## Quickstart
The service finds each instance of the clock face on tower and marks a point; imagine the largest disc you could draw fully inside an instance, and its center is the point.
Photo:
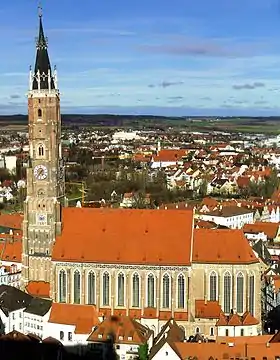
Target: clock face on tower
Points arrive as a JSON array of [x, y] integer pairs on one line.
[[40, 172]]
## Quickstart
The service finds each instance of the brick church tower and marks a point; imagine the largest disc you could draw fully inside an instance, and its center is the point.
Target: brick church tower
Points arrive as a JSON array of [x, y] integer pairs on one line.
[[45, 174]]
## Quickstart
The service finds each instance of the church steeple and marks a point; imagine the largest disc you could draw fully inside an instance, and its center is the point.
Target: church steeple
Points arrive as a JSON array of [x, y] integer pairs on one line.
[[42, 78]]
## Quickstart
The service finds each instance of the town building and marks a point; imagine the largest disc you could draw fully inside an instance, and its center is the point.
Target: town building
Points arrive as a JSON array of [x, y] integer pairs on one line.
[[149, 265]]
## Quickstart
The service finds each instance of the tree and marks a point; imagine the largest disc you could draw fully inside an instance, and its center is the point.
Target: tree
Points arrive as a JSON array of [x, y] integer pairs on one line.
[[203, 188], [143, 352]]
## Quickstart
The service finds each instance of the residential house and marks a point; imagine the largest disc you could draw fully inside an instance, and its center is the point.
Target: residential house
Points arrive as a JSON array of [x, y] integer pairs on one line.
[[36, 316], [127, 335], [233, 217], [71, 323]]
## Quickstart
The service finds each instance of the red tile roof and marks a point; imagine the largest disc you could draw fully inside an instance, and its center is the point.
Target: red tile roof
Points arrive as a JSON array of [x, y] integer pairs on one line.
[[124, 330], [207, 309], [38, 288], [13, 221], [270, 229], [125, 236], [11, 251], [83, 317], [223, 246]]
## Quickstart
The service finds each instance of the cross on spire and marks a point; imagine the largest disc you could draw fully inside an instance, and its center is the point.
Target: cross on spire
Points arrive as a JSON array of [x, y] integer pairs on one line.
[[40, 9]]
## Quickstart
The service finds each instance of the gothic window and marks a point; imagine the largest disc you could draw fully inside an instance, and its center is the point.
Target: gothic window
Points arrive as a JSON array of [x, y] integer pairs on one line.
[[77, 287], [106, 289], [39, 113], [227, 292], [135, 290], [151, 291], [239, 292], [252, 294], [41, 150], [181, 291], [91, 288], [165, 291], [62, 286], [213, 286], [121, 290]]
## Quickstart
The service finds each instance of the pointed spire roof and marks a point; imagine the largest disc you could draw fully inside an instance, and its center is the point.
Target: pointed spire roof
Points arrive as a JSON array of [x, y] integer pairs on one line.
[[42, 63]]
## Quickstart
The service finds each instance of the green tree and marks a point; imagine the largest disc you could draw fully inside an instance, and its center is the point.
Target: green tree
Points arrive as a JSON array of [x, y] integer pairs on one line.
[[203, 188], [143, 352]]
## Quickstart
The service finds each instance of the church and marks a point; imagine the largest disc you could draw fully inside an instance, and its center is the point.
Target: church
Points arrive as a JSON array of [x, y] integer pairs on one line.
[[151, 265]]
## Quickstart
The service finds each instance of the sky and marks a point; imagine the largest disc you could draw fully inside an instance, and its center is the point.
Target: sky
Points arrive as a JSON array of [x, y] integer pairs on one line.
[[160, 57]]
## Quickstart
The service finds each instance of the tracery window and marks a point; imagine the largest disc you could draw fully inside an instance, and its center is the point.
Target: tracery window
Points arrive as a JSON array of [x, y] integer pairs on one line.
[[121, 290], [106, 289], [252, 294], [213, 286], [91, 288], [39, 113], [239, 292], [135, 290], [227, 292], [181, 291], [77, 287], [62, 286], [151, 291], [166, 291]]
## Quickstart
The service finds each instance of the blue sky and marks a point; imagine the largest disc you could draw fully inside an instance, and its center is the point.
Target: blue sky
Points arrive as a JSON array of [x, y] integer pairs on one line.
[[180, 57]]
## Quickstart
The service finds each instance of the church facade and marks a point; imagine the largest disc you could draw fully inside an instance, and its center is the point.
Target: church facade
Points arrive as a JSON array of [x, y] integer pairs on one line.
[[149, 264]]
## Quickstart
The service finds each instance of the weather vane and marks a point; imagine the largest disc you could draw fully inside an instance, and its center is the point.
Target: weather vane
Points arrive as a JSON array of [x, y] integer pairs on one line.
[[40, 9]]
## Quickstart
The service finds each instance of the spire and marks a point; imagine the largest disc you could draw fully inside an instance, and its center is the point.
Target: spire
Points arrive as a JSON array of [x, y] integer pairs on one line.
[[43, 79]]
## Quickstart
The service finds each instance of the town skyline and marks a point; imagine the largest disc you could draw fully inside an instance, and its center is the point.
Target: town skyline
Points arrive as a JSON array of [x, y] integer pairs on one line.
[[148, 59]]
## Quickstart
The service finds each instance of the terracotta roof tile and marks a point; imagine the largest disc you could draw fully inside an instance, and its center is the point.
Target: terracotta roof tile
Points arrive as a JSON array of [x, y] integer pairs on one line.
[[270, 229], [165, 315], [180, 315], [149, 313], [11, 251], [135, 313], [223, 246], [13, 221], [98, 235], [83, 317], [234, 320], [123, 329], [207, 309], [38, 288]]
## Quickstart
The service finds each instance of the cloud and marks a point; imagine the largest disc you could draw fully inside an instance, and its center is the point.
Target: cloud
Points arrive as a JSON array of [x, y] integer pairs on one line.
[[15, 96], [260, 102], [166, 84], [248, 86], [205, 98], [205, 47]]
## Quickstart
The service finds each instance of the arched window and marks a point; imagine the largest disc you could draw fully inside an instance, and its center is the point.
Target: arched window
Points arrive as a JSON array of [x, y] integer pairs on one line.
[[151, 291], [41, 150], [166, 291], [239, 292], [211, 331], [213, 286], [91, 288], [106, 289], [227, 292], [39, 113], [62, 286], [135, 290], [252, 294], [77, 287], [121, 290], [181, 291], [197, 330]]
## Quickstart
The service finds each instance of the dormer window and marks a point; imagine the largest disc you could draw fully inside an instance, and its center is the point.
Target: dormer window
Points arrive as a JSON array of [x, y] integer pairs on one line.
[[39, 113]]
